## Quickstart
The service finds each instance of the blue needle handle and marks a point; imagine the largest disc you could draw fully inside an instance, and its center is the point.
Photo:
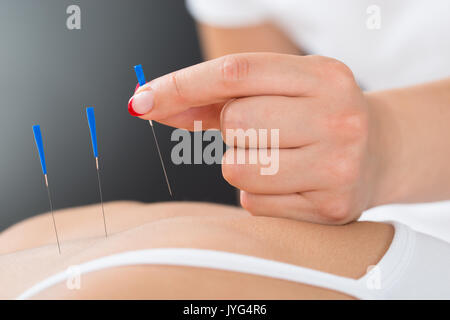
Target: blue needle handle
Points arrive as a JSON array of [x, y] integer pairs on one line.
[[40, 147], [140, 74], [91, 120]]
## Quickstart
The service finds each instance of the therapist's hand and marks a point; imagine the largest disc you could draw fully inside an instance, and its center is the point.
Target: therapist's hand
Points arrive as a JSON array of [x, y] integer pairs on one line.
[[328, 163]]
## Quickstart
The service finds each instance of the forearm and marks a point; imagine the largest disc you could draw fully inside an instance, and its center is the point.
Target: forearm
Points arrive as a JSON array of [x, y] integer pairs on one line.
[[414, 135]]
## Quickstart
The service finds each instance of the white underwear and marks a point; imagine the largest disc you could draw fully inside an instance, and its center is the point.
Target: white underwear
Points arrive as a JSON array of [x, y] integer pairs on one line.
[[416, 266]]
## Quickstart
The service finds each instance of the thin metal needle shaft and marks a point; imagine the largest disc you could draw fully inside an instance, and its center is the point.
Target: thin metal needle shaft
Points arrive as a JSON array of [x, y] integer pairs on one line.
[[51, 210], [161, 159], [101, 195]]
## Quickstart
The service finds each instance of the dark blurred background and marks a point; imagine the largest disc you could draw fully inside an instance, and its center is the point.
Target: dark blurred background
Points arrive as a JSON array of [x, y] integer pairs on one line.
[[49, 75]]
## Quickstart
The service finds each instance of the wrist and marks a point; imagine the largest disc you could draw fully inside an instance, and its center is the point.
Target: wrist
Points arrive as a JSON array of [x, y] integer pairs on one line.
[[385, 151]]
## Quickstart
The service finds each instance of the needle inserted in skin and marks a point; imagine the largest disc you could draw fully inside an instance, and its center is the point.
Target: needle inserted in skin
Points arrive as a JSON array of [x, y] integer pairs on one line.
[[161, 159], [141, 79], [40, 147], [91, 121]]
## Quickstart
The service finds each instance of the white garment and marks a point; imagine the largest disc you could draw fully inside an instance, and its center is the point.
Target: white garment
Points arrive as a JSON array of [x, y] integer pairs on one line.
[[411, 46], [429, 218], [414, 267]]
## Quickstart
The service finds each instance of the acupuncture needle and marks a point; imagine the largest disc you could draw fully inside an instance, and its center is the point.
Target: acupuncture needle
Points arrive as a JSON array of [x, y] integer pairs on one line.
[[40, 148], [141, 79], [91, 121]]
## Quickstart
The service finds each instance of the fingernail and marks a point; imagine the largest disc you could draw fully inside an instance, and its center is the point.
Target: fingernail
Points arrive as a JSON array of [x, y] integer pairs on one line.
[[141, 103], [130, 108]]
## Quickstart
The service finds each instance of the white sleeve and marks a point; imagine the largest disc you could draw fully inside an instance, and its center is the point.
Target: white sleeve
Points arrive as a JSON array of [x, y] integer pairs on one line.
[[228, 13]]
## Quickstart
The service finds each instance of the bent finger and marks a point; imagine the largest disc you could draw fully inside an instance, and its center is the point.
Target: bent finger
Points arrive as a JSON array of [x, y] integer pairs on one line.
[[253, 122], [269, 171]]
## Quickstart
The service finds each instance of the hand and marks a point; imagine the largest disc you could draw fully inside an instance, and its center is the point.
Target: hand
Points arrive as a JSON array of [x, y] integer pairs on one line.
[[328, 167]]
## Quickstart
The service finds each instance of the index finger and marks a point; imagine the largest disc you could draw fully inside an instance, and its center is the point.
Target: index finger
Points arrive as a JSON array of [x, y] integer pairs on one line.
[[232, 76]]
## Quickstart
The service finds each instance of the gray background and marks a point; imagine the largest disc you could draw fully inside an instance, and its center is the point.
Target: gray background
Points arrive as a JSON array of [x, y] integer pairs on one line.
[[49, 75]]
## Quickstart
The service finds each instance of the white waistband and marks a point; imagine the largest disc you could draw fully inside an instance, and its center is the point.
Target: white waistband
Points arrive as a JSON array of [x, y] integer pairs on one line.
[[238, 263]]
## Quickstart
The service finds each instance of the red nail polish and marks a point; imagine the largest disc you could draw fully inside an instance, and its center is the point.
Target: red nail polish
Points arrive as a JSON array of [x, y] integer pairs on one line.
[[137, 87], [131, 110]]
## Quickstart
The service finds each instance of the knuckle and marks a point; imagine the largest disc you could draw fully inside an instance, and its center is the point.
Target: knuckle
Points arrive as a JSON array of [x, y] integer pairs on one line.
[[231, 116], [176, 84], [336, 212], [356, 124], [344, 169], [227, 172], [351, 125], [230, 171], [247, 203], [337, 72], [234, 67]]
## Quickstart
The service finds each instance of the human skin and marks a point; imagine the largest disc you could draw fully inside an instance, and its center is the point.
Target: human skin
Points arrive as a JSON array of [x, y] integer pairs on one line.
[[28, 252], [342, 151]]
